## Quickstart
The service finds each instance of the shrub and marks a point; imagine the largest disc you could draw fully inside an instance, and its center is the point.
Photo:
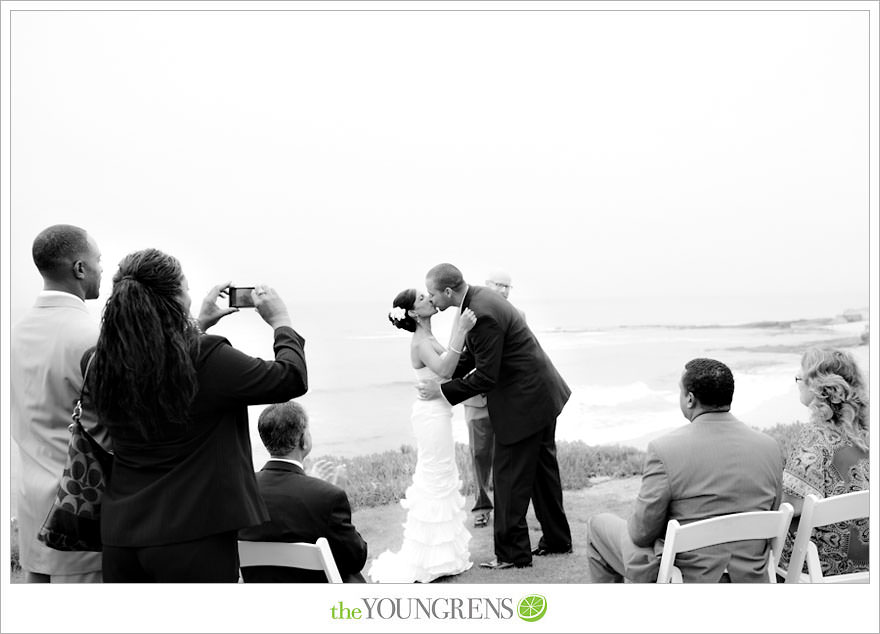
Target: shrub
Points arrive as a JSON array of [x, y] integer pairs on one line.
[[785, 435], [579, 462], [382, 478]]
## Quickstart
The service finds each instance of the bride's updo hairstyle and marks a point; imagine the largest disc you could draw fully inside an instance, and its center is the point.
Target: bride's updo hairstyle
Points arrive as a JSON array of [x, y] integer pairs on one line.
[[399, 315]]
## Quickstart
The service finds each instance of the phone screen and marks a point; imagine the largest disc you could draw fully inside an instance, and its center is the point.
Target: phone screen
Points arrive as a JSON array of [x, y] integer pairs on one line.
[[240, 297]]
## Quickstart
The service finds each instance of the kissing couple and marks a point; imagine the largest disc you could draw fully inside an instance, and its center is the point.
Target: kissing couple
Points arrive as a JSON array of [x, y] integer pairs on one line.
[[493, 352]]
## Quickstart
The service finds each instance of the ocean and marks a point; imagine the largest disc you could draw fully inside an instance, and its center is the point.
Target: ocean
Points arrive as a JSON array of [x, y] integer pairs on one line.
[[621, 357]]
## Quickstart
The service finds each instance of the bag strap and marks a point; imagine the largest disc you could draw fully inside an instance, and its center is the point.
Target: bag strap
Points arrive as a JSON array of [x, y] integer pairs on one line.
[[77, 409]]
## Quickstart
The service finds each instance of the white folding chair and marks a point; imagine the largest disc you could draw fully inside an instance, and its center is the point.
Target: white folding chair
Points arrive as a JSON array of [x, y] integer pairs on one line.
[[736, 527], [315, 556], [822, 512]]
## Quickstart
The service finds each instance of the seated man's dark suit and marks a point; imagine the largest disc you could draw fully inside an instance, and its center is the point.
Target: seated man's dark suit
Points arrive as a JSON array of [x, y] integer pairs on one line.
[[715, 465], [302, 509]]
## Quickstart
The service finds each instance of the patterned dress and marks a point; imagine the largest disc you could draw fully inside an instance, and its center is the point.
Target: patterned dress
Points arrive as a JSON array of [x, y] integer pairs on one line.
[[823, 462]]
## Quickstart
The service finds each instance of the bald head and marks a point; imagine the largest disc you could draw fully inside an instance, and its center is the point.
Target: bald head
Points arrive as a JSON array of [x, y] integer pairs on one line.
[[499, 281]]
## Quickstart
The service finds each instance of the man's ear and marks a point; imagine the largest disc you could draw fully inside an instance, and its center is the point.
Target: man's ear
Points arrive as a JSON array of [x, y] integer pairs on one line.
[[306, 447], [690, 400], [79, 270]]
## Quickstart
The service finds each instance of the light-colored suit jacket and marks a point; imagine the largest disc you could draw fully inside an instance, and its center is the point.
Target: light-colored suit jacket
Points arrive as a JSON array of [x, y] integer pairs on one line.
[[45, 378], [713, 466]]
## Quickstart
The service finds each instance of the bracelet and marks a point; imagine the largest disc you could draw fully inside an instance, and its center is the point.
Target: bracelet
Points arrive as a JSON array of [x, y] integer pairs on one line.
[[454, 350]]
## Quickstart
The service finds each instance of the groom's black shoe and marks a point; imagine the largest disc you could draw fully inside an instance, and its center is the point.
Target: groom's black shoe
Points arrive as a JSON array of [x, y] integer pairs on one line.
[[540, 551]]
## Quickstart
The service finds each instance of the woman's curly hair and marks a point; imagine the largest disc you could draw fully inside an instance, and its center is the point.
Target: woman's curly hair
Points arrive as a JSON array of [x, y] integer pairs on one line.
[[144, 371], [840, 396]]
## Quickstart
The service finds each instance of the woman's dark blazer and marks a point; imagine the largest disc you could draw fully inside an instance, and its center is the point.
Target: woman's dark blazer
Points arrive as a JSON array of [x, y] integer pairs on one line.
[[198, 480]]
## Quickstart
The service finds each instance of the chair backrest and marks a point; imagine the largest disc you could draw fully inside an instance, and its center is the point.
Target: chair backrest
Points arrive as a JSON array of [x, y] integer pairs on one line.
[[821, 512], [736, 527], [315, 556]]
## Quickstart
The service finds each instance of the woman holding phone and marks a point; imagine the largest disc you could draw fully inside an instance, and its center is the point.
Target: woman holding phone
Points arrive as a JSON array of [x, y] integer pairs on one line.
[[175, 402]]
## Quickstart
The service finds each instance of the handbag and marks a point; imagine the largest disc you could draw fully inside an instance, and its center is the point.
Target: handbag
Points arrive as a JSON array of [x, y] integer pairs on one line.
[[74, 521]]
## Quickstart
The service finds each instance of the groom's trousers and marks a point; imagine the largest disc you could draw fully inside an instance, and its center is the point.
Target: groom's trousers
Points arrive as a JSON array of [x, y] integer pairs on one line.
[[528, 470]]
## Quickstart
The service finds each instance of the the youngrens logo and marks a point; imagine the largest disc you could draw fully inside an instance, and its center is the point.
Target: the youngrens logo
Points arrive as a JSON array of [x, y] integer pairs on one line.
[[530, 608]]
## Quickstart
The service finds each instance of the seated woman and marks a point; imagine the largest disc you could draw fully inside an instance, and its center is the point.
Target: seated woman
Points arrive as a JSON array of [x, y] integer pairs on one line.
[[175, 403], [830, 455]]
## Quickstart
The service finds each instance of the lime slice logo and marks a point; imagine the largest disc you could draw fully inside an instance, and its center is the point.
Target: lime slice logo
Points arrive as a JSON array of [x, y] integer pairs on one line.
[[532, 608]]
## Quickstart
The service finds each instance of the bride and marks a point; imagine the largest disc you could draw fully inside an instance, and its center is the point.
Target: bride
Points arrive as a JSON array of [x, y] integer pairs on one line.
[[435, 539]]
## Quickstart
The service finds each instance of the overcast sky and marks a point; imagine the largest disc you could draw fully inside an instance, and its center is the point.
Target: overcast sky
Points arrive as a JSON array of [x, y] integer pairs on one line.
[[340, 154], [343, 153]]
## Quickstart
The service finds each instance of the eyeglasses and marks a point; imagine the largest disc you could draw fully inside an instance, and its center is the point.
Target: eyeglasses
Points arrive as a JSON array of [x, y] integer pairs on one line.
[[500, 285]]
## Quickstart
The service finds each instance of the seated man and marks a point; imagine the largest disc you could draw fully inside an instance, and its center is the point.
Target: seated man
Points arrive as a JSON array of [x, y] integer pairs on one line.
[[302, 508], [716, 465]]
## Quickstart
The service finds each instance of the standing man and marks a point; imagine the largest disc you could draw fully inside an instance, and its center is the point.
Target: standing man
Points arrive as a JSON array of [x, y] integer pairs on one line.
[[500, 282], [525, 395], [46, 379], [715, 465], [480, 434], [482, 443]]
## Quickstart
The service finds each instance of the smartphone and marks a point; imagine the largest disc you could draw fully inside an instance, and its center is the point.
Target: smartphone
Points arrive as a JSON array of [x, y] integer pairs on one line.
[[240, 297]]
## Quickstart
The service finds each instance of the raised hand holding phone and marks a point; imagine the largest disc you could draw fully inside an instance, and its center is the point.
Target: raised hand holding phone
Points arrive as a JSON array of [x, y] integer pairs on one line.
[[210, 313], [270, 306]]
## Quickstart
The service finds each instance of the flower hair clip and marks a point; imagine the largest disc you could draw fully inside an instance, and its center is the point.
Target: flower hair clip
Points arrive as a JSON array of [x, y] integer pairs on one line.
[[397, 313]]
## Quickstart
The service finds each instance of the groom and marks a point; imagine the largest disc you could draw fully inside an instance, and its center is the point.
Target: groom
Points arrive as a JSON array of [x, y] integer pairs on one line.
[[525, 394]]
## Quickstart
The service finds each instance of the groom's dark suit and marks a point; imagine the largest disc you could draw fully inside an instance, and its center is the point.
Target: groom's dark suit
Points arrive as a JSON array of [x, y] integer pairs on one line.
[[525, 395]]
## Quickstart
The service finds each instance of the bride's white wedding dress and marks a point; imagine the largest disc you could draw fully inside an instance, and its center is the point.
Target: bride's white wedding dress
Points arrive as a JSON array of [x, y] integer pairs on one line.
[[435, 539]]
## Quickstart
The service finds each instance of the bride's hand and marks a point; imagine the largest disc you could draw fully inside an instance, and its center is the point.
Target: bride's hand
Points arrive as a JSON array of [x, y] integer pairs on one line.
[[467, 320]]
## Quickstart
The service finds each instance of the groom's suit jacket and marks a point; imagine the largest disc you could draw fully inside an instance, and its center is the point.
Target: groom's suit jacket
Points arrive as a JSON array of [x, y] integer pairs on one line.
[[302, 509], [504, 360]]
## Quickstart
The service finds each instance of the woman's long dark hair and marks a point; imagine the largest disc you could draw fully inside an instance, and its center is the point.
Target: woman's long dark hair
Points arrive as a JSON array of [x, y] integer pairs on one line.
[[144, 373]]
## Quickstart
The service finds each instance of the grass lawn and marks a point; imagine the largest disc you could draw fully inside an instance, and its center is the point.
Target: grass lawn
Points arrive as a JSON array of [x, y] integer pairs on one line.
[[595, 479], [382, 527]]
